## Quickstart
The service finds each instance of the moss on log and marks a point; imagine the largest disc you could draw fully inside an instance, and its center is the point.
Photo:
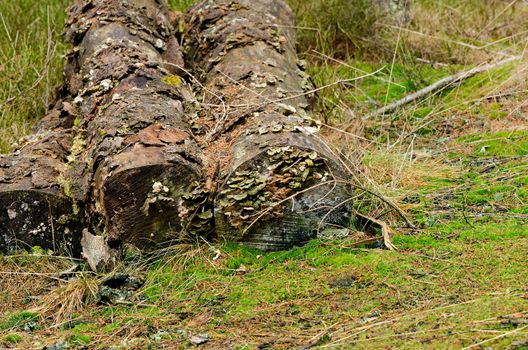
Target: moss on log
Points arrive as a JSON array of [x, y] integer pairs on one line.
[[139, 166], [136, 155], [35, 210], [280, 183]]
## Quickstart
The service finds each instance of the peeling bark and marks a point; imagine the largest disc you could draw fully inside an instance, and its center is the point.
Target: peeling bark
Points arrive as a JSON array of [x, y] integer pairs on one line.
[[97, 253], [137, 164], [280, 182]]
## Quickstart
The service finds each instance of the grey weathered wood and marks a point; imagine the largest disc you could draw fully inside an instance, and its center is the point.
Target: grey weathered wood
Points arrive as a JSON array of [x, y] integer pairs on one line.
[[280, 183], [34, 209], [97, 253]]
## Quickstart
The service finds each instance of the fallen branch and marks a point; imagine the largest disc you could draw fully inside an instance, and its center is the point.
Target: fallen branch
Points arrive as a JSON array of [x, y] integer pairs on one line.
[[452, 79]]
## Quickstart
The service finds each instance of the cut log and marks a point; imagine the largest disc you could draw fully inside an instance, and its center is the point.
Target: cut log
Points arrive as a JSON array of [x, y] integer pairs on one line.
[[134, 160], [280, 183], [34, 210]]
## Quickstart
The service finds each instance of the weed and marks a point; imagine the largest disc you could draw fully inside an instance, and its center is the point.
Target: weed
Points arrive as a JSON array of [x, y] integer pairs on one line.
[[12, 338], [80, 340], [24, 320]]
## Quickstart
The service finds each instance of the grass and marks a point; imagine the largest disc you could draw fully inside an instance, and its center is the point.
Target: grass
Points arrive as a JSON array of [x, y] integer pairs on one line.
[[454, 162], [29, 73], [432, 293]]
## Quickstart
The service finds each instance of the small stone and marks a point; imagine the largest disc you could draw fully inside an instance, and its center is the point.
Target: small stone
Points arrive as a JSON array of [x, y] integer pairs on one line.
[[199, 339]]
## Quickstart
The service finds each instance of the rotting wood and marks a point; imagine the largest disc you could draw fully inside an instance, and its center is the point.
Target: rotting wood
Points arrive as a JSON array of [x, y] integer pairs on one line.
[[34, 208], [97, 253], [134, 161], [277, 175], [122, 150]]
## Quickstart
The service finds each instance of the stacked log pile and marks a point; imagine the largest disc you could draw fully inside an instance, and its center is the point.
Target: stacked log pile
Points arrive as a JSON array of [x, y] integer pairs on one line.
[[132, 156]]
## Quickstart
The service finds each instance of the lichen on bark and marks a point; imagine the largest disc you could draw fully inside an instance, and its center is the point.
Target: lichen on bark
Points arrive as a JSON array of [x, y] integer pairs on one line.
[[256, 100]]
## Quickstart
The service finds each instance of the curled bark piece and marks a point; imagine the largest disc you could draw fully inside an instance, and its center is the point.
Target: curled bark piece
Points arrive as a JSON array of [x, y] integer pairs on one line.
[[281, 183], [99, 256], [134, 159], [34, 210]]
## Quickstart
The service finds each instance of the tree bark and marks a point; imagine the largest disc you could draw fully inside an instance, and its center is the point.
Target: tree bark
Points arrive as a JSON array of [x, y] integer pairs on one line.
[[280, 183], [34, 210], [134, 160], [123, 153]]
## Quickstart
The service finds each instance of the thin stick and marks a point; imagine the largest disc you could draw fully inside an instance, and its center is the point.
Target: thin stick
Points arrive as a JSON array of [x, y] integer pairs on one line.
[[52, 276], [452, 79], [495, 338]]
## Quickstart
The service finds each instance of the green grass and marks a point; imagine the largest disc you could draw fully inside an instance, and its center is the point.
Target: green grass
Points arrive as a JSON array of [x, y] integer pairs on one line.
[[22, 320], [501, 144], [433, 293], [12, 338], [31, 58], [370, 85], [30, 73]]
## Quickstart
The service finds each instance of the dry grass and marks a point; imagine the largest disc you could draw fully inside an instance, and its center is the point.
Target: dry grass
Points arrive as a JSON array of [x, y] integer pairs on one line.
[[25, 276], [67, 299]]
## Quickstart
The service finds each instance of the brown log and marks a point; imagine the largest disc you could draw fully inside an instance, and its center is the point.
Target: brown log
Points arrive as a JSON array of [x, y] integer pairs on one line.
[[34, 209], [280, 182], [134, 160]]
